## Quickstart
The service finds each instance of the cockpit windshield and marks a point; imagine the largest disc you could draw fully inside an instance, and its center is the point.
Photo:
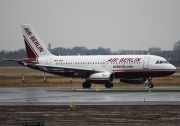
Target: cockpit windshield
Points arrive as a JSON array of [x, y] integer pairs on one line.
[[162, 62]]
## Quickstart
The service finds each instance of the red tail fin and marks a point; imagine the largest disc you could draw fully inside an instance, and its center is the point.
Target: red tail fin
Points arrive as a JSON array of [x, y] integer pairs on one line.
[[34, 46]]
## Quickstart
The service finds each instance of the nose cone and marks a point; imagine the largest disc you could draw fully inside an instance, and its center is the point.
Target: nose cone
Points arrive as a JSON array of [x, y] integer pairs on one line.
[[173, 69]]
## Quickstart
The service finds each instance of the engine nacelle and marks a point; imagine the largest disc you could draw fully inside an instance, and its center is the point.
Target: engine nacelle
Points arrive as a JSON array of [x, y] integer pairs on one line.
[[101, 78], [134, 80]]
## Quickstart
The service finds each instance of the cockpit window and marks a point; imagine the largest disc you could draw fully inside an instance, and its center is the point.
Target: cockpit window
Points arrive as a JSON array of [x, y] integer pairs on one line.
[[157, 62], [162, 62], [166, 62]]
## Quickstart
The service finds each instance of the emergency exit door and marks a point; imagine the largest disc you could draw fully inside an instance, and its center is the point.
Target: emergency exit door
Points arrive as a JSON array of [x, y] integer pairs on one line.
[[103, 63]]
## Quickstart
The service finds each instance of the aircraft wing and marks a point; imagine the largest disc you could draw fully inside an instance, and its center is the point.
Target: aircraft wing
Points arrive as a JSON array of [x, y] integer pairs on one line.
[[52, 68]]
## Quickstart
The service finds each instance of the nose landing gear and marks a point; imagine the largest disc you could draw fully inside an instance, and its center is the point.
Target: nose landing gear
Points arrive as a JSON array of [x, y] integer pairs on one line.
[[150, 84]]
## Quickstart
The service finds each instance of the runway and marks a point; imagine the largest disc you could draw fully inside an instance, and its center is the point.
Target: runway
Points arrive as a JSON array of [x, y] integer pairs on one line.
[[64, 96]]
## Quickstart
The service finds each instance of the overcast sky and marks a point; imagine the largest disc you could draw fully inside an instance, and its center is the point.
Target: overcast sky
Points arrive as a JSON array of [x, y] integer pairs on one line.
[[114, 24]]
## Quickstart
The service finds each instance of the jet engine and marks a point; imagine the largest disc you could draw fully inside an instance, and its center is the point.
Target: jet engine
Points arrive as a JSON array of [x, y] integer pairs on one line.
[[101, 78], [134, 80]]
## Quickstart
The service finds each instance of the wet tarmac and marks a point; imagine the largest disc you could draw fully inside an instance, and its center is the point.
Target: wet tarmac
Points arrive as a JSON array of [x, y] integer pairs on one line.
[[64, 96]]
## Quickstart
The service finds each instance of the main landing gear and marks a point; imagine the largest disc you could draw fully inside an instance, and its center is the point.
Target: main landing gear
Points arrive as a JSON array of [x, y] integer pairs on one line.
[[150, 84], [109, 85], [86, 85]]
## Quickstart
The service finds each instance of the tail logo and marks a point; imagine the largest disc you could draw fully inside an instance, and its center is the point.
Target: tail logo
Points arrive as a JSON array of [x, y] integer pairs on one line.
[[34, 40]]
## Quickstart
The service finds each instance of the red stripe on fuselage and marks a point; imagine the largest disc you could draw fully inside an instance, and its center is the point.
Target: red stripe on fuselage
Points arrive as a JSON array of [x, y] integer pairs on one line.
[[143, 73]]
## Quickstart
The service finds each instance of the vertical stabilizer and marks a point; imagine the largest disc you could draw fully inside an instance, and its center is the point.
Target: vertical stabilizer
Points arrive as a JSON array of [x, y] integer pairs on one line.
[[34, 46]]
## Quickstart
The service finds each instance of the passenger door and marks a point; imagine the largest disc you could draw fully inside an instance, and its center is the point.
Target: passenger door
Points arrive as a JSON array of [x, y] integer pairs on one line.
[[146, 62], [48, 61]]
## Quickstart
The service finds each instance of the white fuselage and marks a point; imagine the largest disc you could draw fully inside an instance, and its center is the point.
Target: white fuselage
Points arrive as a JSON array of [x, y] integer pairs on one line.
[[145, 65]]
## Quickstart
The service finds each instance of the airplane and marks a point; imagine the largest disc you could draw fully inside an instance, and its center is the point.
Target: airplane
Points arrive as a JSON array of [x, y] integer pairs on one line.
[[98, 69]]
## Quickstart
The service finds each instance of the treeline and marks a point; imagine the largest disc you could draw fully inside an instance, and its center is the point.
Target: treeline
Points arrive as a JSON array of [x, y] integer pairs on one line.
[[4, 54], [82, 51], [21, 53]]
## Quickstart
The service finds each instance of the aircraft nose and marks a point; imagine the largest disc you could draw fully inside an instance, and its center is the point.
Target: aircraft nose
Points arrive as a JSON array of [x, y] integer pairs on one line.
[[173, 68]]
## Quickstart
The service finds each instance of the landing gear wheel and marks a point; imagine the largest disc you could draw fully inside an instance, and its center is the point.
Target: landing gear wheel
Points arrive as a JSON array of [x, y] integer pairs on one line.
[[150, 85], [108, 85], [112, 85], [86, 85]]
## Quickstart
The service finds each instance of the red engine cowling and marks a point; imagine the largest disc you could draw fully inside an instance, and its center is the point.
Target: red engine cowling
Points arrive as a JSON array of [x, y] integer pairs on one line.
[[101, 78], [134, 80]]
